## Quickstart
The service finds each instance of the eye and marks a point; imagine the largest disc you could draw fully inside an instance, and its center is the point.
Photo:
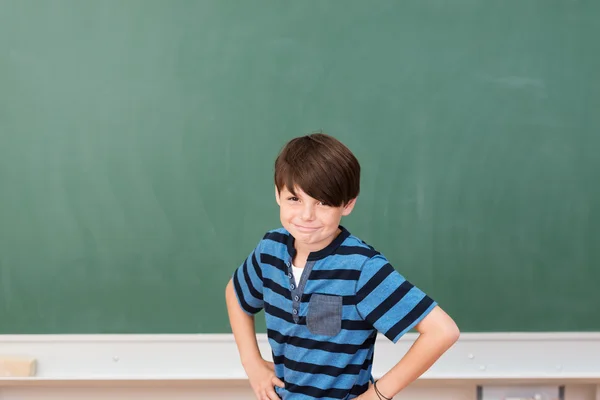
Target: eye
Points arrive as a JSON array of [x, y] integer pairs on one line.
[[322, 203], [293, 198]]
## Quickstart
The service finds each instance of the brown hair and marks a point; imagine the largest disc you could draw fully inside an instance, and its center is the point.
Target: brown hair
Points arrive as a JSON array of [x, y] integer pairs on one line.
[[320, 165]]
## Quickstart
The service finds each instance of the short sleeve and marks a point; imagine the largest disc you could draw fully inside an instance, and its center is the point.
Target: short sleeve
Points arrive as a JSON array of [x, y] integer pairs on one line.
[[248, 283], [389, 302]]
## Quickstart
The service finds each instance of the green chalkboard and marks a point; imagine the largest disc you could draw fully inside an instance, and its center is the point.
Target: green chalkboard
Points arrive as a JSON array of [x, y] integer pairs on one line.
[[137, 141]]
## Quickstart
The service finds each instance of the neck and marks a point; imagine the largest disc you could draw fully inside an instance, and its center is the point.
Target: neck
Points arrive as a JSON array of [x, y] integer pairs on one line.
[[305, 251]]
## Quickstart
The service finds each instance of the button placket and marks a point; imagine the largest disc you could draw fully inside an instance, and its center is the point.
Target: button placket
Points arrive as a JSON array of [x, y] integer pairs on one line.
[[296, 288], [295, 295]]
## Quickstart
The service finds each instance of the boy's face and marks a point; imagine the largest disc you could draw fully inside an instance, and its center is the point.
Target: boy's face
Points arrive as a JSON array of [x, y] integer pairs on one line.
[[313, 224]]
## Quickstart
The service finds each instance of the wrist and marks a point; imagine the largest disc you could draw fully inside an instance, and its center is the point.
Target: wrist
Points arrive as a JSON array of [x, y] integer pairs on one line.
[[251, 360], [381, 392]]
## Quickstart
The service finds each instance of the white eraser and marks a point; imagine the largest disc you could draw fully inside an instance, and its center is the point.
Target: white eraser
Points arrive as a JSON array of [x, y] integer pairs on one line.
[[16, 366]]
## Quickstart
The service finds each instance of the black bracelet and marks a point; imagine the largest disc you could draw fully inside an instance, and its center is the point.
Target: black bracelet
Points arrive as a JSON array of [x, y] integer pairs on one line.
[[379, 394]]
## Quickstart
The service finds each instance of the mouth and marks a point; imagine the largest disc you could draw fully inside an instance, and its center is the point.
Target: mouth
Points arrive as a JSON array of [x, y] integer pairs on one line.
[[305, 228]]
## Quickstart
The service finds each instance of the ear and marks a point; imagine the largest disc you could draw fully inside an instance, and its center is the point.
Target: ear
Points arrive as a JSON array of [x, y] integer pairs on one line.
[[348, 207], [277, 199]]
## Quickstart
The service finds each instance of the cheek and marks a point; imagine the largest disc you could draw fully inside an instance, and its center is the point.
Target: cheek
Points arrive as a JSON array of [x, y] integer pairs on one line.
[[327, 218], [330, 218], [285, 212]]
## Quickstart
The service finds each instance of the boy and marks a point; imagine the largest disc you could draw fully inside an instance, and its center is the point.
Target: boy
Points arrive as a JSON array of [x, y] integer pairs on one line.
[[326, 293]]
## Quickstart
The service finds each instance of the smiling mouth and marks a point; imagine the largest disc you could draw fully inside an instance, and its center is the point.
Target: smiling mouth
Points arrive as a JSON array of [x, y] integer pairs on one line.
[[304, 228]]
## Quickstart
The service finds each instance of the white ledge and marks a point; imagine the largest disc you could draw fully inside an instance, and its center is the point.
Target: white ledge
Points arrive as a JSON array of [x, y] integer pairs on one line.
[[192, 359]]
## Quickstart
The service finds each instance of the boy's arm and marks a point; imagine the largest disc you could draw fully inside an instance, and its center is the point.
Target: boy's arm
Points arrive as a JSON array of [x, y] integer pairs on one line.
[[242, 326], [438, 333], [260, 372]]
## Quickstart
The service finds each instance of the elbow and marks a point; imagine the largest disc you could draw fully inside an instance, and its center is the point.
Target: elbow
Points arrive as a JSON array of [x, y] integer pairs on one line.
[[451, 333], [446, 331], [229, 289], [455, 334], [440, 327]]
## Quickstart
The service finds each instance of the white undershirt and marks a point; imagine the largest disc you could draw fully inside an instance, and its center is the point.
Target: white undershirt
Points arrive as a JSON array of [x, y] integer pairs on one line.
[[297, 273]]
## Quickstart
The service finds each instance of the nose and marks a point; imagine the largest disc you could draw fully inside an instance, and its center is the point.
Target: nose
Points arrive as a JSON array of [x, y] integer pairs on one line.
[[308, 212]]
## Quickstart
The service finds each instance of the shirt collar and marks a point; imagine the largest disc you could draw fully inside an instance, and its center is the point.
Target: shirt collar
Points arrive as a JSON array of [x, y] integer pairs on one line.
[[318, 255]]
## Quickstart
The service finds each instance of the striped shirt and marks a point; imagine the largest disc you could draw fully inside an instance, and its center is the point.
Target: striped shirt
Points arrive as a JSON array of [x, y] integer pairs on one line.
[[322, 329]]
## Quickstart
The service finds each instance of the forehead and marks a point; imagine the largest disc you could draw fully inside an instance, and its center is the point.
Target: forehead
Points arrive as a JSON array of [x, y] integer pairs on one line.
[[297, 191]]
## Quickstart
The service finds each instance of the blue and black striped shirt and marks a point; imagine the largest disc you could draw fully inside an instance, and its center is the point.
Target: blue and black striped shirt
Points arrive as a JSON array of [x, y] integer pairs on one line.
[[322, 329]]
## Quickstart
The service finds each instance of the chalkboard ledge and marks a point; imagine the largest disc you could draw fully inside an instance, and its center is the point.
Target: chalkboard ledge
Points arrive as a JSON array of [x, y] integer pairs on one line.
[[130, 360]]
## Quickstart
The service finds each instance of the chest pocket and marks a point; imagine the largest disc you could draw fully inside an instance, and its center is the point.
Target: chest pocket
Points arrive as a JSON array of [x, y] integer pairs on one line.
[[324, 316]]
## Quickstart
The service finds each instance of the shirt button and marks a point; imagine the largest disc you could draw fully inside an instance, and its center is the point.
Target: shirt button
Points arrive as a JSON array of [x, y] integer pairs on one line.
[[294, 311], [289, 275], [292, 286], [296, 298]]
